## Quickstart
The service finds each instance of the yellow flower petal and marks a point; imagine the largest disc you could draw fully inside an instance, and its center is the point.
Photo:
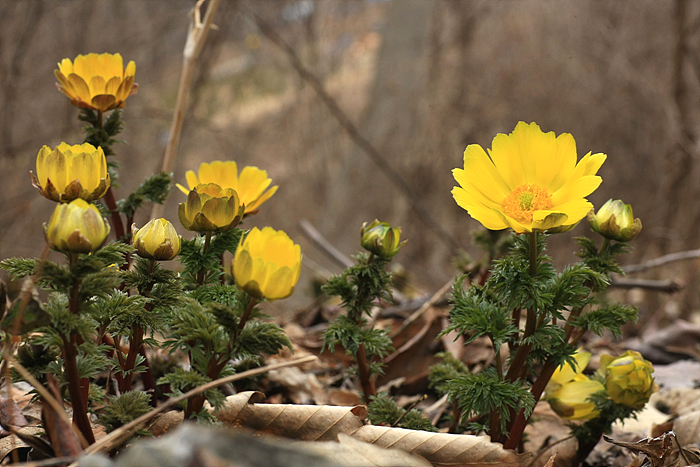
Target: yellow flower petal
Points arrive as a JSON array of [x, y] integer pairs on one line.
[[529, 181]]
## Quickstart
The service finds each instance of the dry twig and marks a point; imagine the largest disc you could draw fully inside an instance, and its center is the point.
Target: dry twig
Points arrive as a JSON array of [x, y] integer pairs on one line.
[[196, 36]]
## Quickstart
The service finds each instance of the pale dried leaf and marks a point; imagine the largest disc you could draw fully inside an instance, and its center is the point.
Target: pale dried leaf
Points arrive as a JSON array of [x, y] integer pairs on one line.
[[687, 428], [550, 462], [303, 422], [352, 452], [442, 449]]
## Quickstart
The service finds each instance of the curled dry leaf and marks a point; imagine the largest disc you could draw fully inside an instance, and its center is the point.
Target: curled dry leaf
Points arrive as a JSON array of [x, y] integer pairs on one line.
[[351, 452], [442, 449], [303, 422], [326, 423], [656, 449]]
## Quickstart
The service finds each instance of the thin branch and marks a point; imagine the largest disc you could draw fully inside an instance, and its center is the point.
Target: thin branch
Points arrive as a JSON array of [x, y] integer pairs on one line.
[[332, 252], [119, 435], [196, 36], [668, 285], [354, 134], [663, 260]]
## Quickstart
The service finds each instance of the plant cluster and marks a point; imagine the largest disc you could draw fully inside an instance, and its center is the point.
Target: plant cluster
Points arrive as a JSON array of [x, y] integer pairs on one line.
[[533, 315], [110, 305]]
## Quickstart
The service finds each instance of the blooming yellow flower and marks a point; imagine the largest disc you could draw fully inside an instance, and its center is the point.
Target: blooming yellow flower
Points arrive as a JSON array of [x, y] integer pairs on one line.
[[157, 240], [615, 221], [628, 378], [96, 81], [76, 227], [250, 185], [381, 239], [70, 172], [529, 181], [569, 389], [267, 264], [210, 208]]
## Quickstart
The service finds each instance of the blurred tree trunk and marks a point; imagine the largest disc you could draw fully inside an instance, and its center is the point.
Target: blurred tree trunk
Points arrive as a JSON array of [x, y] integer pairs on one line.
[[396, 108]]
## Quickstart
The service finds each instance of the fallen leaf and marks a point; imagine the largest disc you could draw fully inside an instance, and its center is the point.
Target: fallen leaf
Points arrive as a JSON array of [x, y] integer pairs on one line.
[[303, 422], [656, 449], [352, 452], [325, 423], [442, 449]]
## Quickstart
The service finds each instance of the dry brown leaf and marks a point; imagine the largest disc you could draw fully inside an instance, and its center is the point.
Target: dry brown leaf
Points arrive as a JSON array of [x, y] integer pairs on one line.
[[352, 452], [13, 442], [656, 449], [303, 422], [325, 423], [442, 449], [165, 422]]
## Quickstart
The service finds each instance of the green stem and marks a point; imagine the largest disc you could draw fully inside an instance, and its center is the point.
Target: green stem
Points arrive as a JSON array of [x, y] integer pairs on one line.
[[201, 273]]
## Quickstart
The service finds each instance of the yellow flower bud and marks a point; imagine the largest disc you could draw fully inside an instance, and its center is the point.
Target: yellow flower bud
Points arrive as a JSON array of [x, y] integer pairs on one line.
[[569, 389], [210, 208], [157, 240], [615, 221], [381, 239], [628, 378], [250, 184], [572, 400], [70, 172], [267, 264], [76, 227], [96, 81]]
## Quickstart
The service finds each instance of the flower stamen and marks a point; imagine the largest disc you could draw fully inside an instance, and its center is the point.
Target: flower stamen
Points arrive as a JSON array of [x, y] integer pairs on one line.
[[524, 200]]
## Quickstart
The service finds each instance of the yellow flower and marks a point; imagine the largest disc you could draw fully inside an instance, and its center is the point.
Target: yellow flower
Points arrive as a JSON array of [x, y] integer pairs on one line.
[[70, 172], [615, 221], [76, 227], [381, 239], [628, 378], [210, 208], [96, 81], [157, 240], [250, 185], [267, 264], [529, 181], [569, 389]]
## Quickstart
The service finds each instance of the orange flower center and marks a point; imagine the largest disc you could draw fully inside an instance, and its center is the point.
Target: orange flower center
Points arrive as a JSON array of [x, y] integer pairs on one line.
[[524, 200]]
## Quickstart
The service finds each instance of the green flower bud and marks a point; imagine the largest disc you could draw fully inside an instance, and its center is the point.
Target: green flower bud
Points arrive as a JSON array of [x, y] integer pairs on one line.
[[628, 379], [381, 239], [615, 221]]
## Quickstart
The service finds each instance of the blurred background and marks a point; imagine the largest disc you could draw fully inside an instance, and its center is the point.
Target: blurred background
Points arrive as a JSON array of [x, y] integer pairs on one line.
[[418, 80]]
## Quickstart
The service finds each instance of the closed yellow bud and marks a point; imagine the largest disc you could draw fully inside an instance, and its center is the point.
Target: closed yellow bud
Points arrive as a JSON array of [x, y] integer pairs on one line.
[[381, 239], [569, 390], [157, 240], [70, 172], [96, 81], [250, 184], [615, 221], [267, 264], [628, 378], [76, 227], [572, 400], [210, 208]]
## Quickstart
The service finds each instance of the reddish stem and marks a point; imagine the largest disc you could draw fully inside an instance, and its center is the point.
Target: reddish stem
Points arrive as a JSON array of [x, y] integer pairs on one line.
[[366, 380], [111, 203]]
